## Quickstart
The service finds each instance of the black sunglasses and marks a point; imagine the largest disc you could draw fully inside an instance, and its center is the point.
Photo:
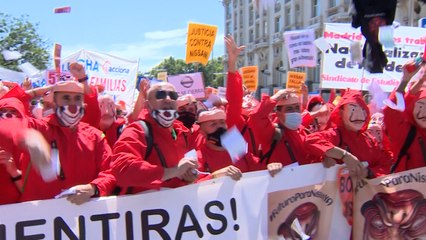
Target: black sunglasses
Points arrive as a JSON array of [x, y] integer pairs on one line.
[[161, 94]]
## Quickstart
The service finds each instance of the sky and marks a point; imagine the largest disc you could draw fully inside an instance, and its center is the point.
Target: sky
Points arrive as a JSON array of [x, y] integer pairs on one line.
[[143, 30]]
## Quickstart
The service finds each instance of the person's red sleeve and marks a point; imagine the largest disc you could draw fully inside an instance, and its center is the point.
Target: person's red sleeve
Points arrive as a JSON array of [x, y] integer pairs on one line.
[[105, 181], [92, 112], [264, 128], [249, 163], [318, 143], [306, 119], [234, 95], [128, 165], [396, 125], [11, 134]]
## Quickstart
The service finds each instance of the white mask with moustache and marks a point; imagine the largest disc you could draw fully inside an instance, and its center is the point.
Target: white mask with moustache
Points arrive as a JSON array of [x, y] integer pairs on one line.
[[165, 117]]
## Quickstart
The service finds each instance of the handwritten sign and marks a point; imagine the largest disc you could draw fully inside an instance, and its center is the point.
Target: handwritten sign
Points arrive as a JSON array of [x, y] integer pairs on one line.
[[301, 48], [295, 80], [250, 77], [162, 76], [200, 42]]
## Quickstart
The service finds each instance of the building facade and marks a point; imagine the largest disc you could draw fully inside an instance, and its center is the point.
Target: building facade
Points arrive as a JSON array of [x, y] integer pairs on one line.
[[261, 30]]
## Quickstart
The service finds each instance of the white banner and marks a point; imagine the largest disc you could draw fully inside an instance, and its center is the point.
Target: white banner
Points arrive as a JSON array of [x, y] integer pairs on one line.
[[300, 48], [117, 75], [339, 72], [252, 208]]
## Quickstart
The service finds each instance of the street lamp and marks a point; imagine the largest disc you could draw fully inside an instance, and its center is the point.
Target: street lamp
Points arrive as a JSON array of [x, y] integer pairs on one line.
[[281, 70]]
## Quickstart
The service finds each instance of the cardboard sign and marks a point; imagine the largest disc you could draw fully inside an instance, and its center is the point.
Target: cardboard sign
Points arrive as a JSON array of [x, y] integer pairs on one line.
[[250, 76], [199, 43], [162, 76], [191, 83], [295, 80]]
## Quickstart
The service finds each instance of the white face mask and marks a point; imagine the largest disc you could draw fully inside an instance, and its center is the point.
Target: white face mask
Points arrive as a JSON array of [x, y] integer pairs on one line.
[[67, 118], [293, 120], [165, 117]]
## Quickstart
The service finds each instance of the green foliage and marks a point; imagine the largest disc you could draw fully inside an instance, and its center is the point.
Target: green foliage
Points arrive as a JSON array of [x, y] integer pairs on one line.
[[213, 71], [18, 34]]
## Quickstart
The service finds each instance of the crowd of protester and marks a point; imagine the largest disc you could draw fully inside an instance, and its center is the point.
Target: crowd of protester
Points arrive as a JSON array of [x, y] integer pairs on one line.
[[72, 136]]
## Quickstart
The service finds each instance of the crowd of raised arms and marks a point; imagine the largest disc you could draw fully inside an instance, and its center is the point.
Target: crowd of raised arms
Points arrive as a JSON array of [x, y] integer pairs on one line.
[[80, 139]]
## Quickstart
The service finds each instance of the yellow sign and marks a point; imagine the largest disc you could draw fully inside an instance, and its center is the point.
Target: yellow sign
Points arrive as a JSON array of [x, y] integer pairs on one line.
[[162, 76], [199, 43], [250, 76], [295, 80]]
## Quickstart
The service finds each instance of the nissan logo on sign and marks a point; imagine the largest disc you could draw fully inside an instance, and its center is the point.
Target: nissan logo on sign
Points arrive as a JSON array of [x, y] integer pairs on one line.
[[187, 81]]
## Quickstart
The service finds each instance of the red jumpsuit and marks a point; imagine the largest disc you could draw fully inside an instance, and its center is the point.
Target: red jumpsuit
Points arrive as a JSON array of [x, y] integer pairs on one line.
[[361, 144], [211, 160], [398, 125], [83, 152], [290, 143], [8, 189], [234, 116], [112, 132], [129, 165]]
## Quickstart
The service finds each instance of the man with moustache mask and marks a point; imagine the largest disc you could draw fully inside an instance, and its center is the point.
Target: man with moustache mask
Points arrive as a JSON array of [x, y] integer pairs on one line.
[[401, 124], [291, 145], [79, 152], [137, 169], [351, 117]]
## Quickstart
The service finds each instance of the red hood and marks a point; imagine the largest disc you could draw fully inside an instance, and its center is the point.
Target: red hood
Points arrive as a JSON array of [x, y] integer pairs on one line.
[[351, 96], [410, 102], [16, 104], [18, 93], [313, 101]]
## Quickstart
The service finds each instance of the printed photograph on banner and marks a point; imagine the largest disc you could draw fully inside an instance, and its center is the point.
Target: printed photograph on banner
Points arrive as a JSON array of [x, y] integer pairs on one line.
[[199, 42], [250, 75], [301, 49], [312, 206], [391, 207], [296, 80]]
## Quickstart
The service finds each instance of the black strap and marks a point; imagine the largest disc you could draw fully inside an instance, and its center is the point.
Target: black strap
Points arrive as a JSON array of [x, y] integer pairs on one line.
[[423, 148], [277, 137], [290, 152], [120, 130], [149, 138], [253, 143], [407, 143]]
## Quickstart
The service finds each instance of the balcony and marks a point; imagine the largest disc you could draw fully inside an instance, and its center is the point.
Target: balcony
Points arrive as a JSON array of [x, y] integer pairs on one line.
[[332, 11], [277, 37], [315, 20]]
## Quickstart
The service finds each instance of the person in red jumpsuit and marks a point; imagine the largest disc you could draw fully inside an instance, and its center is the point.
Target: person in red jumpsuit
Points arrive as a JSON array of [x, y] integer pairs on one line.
[[238, 112], [351, 117], [80, 151], [288, 135], [165, 166], [10, 175], [399, 122], [213, 157]]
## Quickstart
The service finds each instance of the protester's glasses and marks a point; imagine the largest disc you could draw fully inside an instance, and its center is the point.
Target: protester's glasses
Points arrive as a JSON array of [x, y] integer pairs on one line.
[[163, 95]]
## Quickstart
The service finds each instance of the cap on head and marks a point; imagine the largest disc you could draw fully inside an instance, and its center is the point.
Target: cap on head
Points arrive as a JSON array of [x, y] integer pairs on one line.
[[215, 114], [68, 86], [291, 98], [185, 99]]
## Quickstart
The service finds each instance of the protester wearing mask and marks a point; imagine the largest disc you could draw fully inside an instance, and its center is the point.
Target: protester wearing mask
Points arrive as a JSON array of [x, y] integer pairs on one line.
[[80, 151], [109, 123], [408, 127], [165, 166], [351, 117], [213, 157], [281, 139], [315, 117]]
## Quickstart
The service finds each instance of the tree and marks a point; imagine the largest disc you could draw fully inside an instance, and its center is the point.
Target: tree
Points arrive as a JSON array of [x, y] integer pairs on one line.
[[18, 34], [213, 71]]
